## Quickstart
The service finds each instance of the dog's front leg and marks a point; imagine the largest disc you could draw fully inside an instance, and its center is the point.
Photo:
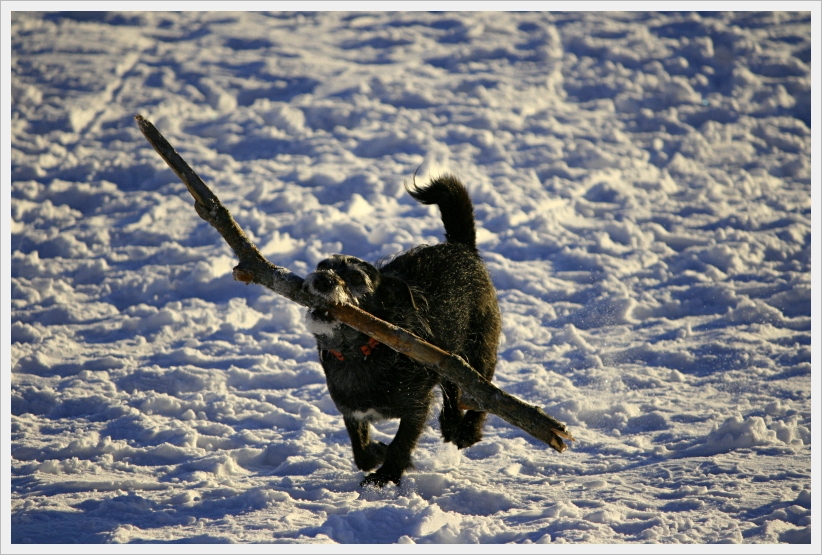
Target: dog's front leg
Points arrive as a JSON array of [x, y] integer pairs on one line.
[[367, 454], [398, 454]]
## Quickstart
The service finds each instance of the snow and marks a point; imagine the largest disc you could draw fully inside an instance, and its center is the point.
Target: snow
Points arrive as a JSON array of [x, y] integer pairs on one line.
[[642, 185]]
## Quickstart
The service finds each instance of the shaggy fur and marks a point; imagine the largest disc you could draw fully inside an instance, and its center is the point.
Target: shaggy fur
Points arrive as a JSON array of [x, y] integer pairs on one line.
[[443, 294]]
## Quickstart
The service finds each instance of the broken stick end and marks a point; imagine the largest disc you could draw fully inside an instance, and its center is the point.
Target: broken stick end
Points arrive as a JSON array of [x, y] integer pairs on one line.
[[557, 444], [564, 435]]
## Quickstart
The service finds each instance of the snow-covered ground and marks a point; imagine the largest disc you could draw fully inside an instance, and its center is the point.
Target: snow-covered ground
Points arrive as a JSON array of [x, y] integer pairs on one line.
[[642, 184]]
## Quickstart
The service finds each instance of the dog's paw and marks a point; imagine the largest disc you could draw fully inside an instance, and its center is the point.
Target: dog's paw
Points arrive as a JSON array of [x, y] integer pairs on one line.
[[467, 436], [462, 442], [376, 452], [372, 457], [379, 479], [449, 427]]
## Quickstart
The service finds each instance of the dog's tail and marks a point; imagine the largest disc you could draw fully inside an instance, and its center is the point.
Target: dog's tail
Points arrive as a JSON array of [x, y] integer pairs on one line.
[[455, 205]]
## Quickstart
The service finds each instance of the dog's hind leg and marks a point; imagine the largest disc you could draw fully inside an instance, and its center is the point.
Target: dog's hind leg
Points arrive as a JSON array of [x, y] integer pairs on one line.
[[483, 358], [398, 453], [451, 415], [367, 454], [470, 429]]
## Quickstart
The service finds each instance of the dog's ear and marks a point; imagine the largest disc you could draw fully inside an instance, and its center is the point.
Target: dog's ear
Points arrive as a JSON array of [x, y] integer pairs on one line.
[[372, 272], [397, 290]]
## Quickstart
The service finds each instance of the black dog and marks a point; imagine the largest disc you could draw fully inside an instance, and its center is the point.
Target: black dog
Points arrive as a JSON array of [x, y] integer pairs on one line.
[[441, 293]]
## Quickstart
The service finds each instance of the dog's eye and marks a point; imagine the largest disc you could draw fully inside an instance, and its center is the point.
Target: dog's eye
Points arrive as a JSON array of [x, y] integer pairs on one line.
[[356, 279]]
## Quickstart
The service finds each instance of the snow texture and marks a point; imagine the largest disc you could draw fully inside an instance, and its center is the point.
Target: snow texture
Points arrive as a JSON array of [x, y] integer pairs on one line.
[[642, 184]]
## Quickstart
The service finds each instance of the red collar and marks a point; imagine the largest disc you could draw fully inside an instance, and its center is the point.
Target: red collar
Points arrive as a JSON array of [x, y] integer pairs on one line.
[[366, 349]]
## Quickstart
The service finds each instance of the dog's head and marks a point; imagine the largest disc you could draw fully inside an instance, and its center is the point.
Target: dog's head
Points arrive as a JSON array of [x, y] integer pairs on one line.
[[347, 279], [343, 279]]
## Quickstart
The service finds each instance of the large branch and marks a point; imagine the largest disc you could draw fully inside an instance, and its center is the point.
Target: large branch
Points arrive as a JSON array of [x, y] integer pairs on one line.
[[254, 268]]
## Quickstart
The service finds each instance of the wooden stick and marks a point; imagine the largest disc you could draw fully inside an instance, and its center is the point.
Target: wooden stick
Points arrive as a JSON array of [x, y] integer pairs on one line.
[[253, 267]]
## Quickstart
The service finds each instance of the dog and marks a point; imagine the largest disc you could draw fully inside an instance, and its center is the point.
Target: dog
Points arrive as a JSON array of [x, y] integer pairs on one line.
[[441, 293]]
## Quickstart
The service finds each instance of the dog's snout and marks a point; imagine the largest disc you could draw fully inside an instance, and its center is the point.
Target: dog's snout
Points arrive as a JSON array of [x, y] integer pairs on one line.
[[328, 284], [324, 281]]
